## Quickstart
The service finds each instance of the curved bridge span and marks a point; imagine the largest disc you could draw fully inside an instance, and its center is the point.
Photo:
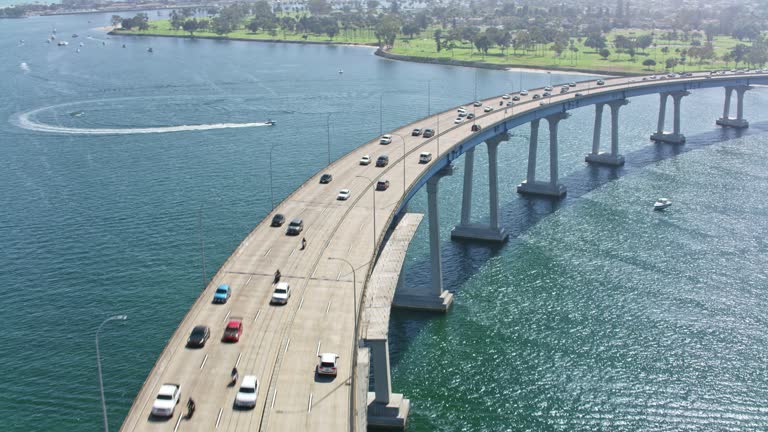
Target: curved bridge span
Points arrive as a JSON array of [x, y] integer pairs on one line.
[[329, 278]]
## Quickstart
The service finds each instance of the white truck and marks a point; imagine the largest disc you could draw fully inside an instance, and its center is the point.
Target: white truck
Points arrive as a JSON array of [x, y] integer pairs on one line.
[[166, 401]]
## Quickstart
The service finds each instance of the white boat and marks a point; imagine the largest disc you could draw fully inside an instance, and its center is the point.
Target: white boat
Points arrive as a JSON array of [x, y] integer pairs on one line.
[[341, 71], [662, 203], [63, 43], [270, 122]]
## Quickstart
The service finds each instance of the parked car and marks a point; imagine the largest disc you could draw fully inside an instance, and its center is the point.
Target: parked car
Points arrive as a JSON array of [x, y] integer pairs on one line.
[[425, 157], [343, 195], [382, 161], [281, 294], [222, 294], [488, 109], [199, 335], [385, 139], [382, 185], [600, 82], [328, 364], [278, 220], [295, 227], [326, 178], [428, 133], [416, 132], [365, 160], [167, 398], [249, 390], [233, 331]]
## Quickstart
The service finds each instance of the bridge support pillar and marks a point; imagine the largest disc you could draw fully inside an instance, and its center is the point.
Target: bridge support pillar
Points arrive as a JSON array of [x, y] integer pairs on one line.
[[530, 185], [385, 409], [739, 121], [491, 231], [613, 158], [438, 300], [674, 137]]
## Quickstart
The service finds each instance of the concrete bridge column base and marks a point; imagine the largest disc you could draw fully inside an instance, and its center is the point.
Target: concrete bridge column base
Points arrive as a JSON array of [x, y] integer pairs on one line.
[[424, 303], [604, 158], [479, 232], [392, 415], [668, 137], [542, 188], [732, 122]]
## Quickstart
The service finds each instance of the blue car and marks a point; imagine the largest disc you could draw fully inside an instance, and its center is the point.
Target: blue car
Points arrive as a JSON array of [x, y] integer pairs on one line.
[[222, 294]]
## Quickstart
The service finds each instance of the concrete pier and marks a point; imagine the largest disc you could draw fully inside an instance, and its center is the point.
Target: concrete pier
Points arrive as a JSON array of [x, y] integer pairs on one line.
[[530, 185], [738, 122], [604, 158], [674, 137], [478, 231]]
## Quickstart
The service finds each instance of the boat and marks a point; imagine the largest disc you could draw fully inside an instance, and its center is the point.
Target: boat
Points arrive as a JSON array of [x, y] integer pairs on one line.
[[77, 113], [63, 43], [341, 71], [270, 122], [82, 44], [662, 203], [74, 35], [149, 49]]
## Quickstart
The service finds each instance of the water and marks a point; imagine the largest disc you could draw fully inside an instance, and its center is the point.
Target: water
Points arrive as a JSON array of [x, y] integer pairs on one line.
[[597, 314]]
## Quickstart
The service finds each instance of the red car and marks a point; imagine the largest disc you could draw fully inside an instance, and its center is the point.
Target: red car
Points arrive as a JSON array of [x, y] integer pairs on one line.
[[233, 331]]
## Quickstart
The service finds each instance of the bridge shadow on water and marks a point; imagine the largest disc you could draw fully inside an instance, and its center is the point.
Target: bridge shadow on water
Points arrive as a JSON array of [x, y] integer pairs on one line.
[[520, 214]]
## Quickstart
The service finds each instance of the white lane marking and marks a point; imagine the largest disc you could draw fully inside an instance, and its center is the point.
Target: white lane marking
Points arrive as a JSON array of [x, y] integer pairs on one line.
[[318, 348], [338, 276], [309, 405], [292, 251], [268, 251], [328, 307], [258, 312], [274, 396], [350, 248], [313, 272], [286, 346], [218, 418], [177, 423], [361, 227], [237, 363], [205, 359], [249, 279], [302, 303], [227, 317]]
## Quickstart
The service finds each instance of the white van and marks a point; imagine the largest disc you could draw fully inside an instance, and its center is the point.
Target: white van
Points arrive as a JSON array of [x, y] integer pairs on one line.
[[425, 157]]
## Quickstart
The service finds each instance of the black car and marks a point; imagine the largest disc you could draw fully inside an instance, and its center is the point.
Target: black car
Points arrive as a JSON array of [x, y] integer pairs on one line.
[[428, 133], [199, 335], [326, 178], [416, 132], [295, 227], [382, 185], [537, 96], [278, 220], [476, 127], [382, 161], [470, 116]]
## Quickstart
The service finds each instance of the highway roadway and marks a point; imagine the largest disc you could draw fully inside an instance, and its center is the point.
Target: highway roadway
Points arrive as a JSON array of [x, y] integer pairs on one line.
[[280, 343]]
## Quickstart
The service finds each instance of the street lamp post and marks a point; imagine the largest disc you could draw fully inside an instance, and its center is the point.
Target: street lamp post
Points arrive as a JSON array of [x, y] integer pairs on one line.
[[271, 193], [373, 194], [381, 114], [98, 363], [429, 98], [403, 140], [328, 129]]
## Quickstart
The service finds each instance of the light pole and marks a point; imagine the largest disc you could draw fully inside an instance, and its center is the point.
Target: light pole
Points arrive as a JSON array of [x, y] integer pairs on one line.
[[550, 78], [98, 363], [328, 129], [403, 140], [429, 97], [271, 194], [381, 114], [373, 194]]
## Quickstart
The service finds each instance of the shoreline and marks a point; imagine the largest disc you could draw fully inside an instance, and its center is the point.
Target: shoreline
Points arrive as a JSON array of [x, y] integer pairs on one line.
[[399, 57]]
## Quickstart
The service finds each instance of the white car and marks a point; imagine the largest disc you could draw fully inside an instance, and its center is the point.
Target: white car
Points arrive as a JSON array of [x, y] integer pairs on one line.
[[524, 93], [249, 389], [478, 104], [462, 110], [166, 401], [488, 109], [327, 365], [365, 160], [458, 120], [385, 139], [282, 293], [343, 195], [505, 96]]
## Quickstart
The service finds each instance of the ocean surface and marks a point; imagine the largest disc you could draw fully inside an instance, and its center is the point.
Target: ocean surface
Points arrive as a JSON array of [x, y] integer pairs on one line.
[[598, 314]]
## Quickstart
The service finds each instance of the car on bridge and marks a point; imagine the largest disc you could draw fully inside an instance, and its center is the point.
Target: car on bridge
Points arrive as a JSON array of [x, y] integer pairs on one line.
[[281, 294], [295, 227], [425, 157], [365, 160], [476, 127], [328, 364], [428, 133], [385, 139], [458, 120], [199, 335], [515, 98], [416, 132], [222, 294], [343, 195], [278, 220], [477, 104], [505, 96], [524, 93], [382, 185], [600, 82], [470, 116], [249, 390], [382, 161], [326, 178], [572, 84], [167, 398], [537, 96], [233, 331], [488, 109]]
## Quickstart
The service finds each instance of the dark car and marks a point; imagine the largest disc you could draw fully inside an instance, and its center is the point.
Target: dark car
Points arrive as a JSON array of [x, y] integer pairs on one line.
[[382, 161], [416, 132], [470, 116], [382, 185], [536, 96], [428, 133], [476, 127], [199, 335], [515, 98], [278, 220], [326, 178], [295, 227]]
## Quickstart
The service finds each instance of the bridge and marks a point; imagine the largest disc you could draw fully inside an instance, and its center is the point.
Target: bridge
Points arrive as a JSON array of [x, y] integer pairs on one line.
[[346, 278]]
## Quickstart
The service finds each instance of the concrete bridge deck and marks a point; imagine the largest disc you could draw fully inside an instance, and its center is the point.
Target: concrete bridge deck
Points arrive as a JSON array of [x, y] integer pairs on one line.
[[279, 343]]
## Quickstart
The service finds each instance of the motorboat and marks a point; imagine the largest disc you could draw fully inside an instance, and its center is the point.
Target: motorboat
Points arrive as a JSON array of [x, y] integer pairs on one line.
[[341, 71], [63, 43], [662, 203], [150, 49], [270, 122]]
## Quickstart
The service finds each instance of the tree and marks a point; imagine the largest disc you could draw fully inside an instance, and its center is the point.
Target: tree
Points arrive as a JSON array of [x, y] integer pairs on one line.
[[116, 19], [319, 7], [386, 30], [670, 63], [644, 41], [649, 63], [438, 33], [595, 41], [410, 29], [482, 43], [604, 53], [739, 53]]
